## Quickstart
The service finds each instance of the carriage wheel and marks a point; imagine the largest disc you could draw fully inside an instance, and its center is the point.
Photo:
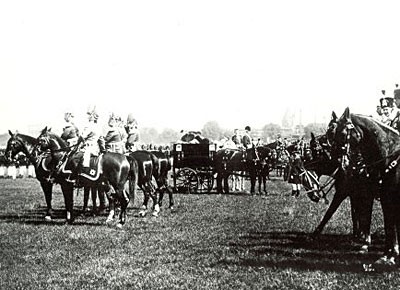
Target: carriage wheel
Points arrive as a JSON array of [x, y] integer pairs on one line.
[[206, 182], [187, 180]]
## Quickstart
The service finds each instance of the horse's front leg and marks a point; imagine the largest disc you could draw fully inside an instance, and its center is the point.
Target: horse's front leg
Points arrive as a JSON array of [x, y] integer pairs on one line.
[[47, 188], [68, 192]]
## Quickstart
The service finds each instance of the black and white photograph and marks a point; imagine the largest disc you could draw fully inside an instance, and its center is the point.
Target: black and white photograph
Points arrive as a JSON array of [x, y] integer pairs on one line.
[[199, 144]]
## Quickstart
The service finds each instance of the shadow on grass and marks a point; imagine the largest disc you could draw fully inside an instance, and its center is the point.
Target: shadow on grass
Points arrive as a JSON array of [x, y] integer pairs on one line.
[[298, 250], [36, 217]]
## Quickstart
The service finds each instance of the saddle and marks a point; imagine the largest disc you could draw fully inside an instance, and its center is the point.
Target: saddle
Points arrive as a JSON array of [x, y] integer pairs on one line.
[[93, 171]]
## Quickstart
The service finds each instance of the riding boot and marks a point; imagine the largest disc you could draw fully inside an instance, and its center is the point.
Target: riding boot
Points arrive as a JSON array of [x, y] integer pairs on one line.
[[294, 192]]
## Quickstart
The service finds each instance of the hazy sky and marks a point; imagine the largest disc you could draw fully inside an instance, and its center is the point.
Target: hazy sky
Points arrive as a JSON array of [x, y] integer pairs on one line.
[[179, 64]]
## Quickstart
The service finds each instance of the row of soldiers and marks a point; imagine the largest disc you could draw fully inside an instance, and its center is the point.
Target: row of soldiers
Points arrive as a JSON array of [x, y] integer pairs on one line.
[[389, 109], [119, 137]]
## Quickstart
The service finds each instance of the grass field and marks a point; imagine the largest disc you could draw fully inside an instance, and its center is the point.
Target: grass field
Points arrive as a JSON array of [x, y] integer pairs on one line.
[[208, 241]]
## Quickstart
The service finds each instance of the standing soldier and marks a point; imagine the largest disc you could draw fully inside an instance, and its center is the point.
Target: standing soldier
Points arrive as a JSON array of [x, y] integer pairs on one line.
[[70, 131], [115, 135], [132, 130]]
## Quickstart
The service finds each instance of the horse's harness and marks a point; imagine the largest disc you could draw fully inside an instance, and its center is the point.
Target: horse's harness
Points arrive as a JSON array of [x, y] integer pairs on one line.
[[356, 159]]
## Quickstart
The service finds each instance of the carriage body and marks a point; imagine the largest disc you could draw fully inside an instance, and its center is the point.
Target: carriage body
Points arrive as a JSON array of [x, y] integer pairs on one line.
[[192, 167]]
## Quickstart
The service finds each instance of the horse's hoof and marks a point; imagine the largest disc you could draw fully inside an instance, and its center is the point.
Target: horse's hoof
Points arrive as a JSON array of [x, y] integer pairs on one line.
[[384, 263], [119, 226], [171, 207], [142, 213], [155, 213], [47, 218], [109, 220], [363, 249]]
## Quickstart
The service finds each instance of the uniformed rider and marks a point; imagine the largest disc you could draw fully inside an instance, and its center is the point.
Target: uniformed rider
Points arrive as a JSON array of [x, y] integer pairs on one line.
[[70, 130], [115, 136], [91, 134], [132, 130]]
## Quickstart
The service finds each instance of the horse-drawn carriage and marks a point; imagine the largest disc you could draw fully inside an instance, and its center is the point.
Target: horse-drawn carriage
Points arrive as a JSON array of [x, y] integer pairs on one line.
[[192, 167]]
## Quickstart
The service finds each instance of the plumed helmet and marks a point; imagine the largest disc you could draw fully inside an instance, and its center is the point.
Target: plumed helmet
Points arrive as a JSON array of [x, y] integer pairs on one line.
[[114, 116], [93, 111], [386, 102], [131, 119], [69, 111], [247, 128]]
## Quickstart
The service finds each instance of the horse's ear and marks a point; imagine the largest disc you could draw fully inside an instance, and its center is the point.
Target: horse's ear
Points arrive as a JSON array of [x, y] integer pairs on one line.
[[346, 113], [49, 130], [334, 116], [312, 136], [11, 133]]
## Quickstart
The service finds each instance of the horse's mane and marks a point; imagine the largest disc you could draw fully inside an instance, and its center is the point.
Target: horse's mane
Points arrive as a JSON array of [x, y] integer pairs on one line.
[[388, 141], [385, 127], [54, 136], [27, 138]]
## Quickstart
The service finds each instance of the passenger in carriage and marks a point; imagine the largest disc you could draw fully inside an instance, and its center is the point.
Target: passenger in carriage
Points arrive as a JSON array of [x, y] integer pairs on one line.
[[246, 139], [236, 138], [115, 136], [132, 130], [70, 130]]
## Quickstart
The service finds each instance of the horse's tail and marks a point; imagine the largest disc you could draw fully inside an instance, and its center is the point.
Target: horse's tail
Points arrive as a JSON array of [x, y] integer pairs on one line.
[[133, 176]]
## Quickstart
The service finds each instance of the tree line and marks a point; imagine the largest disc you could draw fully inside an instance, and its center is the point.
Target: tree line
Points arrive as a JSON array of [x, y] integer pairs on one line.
[[213, 131]]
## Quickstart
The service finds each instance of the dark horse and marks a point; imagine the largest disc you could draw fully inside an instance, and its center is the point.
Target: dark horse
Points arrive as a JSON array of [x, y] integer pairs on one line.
[[113, 171], [29, 146], [161, 176], [229, 161], [147, 165], [369, 147], [324, 161]]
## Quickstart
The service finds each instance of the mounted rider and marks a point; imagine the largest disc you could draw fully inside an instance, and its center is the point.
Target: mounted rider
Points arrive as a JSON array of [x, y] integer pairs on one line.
[[91, 136], [390, 113], [70, 130], [115, 136], [132, 130], [396, 119]]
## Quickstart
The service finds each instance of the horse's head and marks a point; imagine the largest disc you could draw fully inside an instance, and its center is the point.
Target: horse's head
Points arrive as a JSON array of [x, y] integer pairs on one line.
[[15, 145], [347, 138], [320, 147], [49, 141], [264, 152]]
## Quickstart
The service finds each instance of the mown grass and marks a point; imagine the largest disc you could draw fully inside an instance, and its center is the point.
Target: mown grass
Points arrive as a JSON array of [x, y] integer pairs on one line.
[[208, 241]]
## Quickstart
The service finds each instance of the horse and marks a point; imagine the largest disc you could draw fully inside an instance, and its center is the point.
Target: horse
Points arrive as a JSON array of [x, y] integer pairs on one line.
[[161, 176], [28, 145], [370, 148], [324, 163], [147, 167], [113, 171], [229, 161]]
